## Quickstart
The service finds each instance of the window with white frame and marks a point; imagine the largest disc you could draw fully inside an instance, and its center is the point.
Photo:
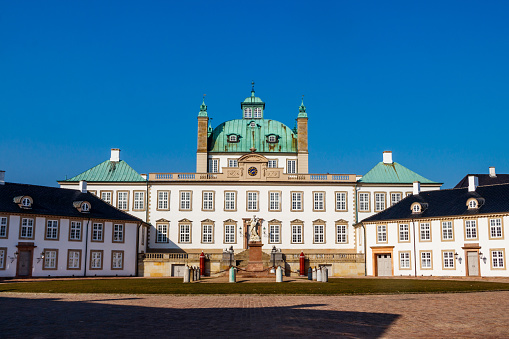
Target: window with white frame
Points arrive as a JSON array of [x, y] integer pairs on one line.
[[274, 201], [2, 258], [96, 260], [229, 201], [118, 233], [162, 233], [341, 234], [275, 233], [122, 200], [75, 231], [162, 200], [229, 234], [472, 204], [117, 260], [395, 198], [340, 201], [271, 138], [74, 260], [208, 201], [207, 234], [139, 200], [26, 202], [233, 163], [425, 231], [497, 259], [252, 201], [185, 233], [496, 228], [272, 163], [364, 202], [106, 196], [381, 233], [52, 229], [97, 232], [3, 227], [297, 234], [291, 166], [425, 259], [213, 165], [416, 208], [447, 230], [297, 201], [448, 258], [404, 260], [318, 201], [252, 124], [185, 200], [379, 201], [257, 112], [248, 113], [27, 228], [404, 232], [319, 234], [232, 138], [470, 229], [50, 259]]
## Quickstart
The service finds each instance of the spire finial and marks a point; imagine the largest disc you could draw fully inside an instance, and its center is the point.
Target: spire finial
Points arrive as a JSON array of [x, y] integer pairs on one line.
[[302, 109], [203, 108], [252, 85]]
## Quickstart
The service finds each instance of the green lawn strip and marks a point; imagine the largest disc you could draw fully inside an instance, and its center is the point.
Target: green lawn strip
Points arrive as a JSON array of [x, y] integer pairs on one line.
[[175, 286]]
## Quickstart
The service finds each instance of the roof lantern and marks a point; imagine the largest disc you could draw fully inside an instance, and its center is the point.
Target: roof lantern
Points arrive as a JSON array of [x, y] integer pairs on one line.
[[203, 108], [253, 106]]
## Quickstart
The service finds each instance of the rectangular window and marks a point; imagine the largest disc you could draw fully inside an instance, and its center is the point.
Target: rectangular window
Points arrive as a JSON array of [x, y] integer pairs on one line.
[[75, 230], [341, 234], [208, 201], [495, 228], [139, 200], [229, 201], [296, 234], [27, 228], [122, 200], [73, 260], [395, 198], [404, 260], [207, 234], [364, 202], [162, 200], [213, 165], [425, 231], [379, 202], [404, 232], [117, 260], [185, 233], [229, 234], [185, 200], [318, 201], [291, 167], [470, 229], [3, 227], [447, 231], [274, 201], [272, 163], [448, 259], [497, 259], [50, 259], [296, 201], [97, 232], [381, 233], [118, 233], [341, 201], [3, 255], [106, 196], [52, 230], [274, 234], [252, 201], [233, 163], [426, 260], [96, 260], [162, 233], [319, 234]]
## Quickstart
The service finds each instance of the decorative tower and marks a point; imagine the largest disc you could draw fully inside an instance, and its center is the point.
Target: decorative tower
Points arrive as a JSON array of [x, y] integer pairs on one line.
[[302, 140], [252, 107], [201, 153]]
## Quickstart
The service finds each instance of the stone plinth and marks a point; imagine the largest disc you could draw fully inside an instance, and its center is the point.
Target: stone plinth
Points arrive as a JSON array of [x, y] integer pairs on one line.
[[255, 257]]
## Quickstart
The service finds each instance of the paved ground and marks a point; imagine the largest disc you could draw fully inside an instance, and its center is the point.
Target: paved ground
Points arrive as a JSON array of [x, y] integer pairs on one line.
[[480, 314]]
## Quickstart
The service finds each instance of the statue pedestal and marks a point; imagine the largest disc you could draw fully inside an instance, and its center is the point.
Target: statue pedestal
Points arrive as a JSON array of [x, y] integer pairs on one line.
[[255, 257]]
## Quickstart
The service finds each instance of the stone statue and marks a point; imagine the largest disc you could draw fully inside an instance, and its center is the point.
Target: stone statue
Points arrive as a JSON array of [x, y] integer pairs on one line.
[[253, 229]]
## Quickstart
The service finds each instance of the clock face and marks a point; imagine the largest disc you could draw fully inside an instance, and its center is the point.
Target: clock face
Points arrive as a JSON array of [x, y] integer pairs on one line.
[[252, 171]]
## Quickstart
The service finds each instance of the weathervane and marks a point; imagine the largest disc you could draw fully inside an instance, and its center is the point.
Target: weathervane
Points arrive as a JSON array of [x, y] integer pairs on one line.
[[252, 85]]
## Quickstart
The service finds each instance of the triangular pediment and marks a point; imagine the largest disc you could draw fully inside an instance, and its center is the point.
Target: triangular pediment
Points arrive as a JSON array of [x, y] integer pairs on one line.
[[230, 221], [297, 221], [319, 221], [252, 157], [274, 221], [162, 220], [185, 220], [343, 221], [208, 220]]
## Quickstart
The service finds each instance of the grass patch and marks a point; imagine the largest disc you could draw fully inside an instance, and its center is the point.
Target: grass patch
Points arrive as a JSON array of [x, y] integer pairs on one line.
[[175, 286]]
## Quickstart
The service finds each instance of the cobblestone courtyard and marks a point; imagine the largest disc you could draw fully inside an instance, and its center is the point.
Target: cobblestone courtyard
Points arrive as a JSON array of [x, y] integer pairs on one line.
[[480, 314]]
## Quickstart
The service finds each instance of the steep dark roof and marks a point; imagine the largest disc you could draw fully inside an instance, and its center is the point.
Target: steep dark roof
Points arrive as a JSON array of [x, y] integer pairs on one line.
[[485, 179], [58, 202], [449, 202]]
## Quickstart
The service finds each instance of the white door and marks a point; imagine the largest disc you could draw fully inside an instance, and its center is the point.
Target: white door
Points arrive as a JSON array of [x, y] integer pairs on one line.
[[177, 270], [473, 263], [384, 265]]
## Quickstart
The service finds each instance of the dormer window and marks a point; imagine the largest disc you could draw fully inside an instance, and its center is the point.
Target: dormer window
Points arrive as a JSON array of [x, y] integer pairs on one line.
[[416, 207], [85, 207], [82, 206], [272, 138], [233, 138], [24, 201], [257, 112], [474, 203], [248, 113], [252, 124]]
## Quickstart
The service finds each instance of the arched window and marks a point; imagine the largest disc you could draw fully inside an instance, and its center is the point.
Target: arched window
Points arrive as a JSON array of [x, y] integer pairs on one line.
[[26, 202], [247, 113], [85, 207]]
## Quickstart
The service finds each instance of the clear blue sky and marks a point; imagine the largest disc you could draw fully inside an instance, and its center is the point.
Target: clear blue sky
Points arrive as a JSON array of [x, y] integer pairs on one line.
[[425, 79]]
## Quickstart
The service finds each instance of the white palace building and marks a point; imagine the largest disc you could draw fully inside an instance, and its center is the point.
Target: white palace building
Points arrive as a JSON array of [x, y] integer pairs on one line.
[[245, 167]]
